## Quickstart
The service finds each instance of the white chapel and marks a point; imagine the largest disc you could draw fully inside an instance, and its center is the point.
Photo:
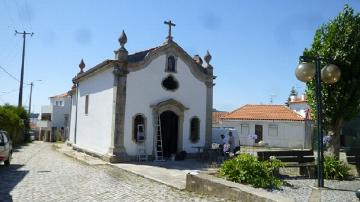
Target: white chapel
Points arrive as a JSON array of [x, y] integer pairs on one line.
[[157, 102]]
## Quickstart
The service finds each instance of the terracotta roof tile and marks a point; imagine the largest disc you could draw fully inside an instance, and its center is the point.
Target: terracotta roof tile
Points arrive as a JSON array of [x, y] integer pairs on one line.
[[216, 115], [264, 112], [60, 96]]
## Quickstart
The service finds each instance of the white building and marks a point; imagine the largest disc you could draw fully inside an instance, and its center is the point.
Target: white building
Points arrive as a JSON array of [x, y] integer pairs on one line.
[[299, 105], [54, 118], [274, 125], [117, 104], [216, 118]]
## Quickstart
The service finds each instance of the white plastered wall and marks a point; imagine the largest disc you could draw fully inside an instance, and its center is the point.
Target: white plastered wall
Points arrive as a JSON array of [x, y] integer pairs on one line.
[[94, 129], [144, 89], [72, 119], [291, 134]]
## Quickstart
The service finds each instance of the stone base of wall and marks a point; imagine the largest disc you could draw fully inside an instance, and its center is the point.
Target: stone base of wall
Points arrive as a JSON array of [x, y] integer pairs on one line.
[[118, 159], [207, 184]]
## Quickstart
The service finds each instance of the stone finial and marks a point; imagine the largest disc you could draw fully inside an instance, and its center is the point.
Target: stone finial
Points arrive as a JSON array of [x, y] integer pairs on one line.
[[82, 66], [121, 54], [123, 39], [207, 57], [198, 59]]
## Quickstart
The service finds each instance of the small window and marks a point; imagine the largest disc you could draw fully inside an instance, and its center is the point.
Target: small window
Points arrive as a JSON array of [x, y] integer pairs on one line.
[[273, 130], [170, 83], [194, 129], [86, 104], [171, 64], [139, 128], [245, 130]]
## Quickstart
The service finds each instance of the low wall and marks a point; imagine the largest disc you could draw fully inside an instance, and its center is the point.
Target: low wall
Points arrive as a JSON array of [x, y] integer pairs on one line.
[[208, 184]]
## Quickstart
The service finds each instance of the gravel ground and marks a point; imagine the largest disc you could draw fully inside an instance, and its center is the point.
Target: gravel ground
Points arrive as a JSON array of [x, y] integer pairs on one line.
[[300, 190], [340, 190]]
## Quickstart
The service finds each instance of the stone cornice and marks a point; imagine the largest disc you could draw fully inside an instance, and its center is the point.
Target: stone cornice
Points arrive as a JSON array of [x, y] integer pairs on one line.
[[171, 102], [203, 74], [120, 70], [173, 48], [99, 67]]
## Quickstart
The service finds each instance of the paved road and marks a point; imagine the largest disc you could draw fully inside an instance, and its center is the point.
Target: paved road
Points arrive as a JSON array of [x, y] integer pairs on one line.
[[39, 173]]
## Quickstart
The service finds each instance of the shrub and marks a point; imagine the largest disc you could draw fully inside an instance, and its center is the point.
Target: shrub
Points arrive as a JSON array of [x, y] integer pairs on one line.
[[245, 168], [15, 121], [335, 169]]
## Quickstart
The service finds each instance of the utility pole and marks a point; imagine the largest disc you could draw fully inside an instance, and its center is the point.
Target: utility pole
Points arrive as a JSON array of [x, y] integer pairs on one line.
[[22, 65], [31, 86]]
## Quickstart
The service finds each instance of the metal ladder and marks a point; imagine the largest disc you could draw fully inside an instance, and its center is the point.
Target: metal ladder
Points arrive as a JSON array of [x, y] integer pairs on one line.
[[141, 146], [159, 154], [142, 156]]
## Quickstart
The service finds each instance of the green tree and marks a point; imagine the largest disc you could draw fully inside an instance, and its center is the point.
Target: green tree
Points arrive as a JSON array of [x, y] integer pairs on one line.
[[15, 121], [339, 40], [293, 92]]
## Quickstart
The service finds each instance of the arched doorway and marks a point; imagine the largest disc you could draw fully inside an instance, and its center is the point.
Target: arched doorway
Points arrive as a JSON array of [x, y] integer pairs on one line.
[[169, 131]]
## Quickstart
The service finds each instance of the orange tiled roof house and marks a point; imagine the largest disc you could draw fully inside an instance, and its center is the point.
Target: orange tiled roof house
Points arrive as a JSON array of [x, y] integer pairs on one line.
[[274, 125]]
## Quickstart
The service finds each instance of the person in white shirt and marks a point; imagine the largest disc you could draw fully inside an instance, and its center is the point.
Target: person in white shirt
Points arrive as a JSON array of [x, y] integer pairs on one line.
[[231, 142]]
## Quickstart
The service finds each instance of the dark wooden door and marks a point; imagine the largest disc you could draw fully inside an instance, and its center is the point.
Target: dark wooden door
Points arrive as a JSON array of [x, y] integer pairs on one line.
[[169, 131], [259, 133]]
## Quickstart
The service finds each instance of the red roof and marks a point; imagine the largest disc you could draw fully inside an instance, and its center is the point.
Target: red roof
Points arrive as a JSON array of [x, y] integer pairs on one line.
[[216, 115], [60, 96], [264, 112]]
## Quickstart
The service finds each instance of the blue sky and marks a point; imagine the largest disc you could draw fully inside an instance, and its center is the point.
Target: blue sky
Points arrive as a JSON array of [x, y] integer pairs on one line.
[[255, 44]]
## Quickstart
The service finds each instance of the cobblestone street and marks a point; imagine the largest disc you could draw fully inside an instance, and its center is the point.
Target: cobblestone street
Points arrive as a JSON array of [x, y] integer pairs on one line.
[[39, 173]]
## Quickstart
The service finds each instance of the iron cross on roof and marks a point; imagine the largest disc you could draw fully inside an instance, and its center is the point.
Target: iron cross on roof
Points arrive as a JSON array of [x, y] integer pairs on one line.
[[169, 23]]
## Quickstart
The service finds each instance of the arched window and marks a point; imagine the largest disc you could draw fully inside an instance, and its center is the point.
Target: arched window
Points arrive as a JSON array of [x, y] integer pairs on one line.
[[139, 128], [171, 64], [194, 129]]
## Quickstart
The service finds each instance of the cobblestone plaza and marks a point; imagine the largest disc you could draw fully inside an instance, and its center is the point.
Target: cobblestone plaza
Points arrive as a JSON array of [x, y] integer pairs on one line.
[[39, 173]]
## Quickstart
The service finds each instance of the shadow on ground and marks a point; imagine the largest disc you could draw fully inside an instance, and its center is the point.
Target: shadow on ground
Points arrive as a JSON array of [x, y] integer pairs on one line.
[[188, 164], [10, 176], [17, 148]]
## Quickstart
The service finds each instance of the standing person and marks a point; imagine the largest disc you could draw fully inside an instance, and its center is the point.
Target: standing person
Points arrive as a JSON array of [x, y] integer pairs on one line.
[[224, 144], [223, 141], [231, 142]]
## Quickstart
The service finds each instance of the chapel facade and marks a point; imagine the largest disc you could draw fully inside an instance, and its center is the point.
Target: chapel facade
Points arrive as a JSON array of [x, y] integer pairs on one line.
[[157, 99]]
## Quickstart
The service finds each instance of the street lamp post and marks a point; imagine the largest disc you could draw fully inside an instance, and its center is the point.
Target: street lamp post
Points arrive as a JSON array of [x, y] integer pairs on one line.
[[330, 74]]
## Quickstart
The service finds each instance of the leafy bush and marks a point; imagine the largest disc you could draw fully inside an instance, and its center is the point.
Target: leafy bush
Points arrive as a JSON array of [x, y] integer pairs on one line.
[[15, 121], [335, 169], [245, 168]]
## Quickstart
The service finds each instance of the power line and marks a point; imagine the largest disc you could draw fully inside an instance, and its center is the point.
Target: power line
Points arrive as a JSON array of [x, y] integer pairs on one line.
[[11, 19], [12, 76], [8, 92], [28, 13], [19, 12]]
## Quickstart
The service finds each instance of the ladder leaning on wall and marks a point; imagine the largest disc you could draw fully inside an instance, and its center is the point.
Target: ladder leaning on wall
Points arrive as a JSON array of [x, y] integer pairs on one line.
[[159, 154], [142, 155]]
